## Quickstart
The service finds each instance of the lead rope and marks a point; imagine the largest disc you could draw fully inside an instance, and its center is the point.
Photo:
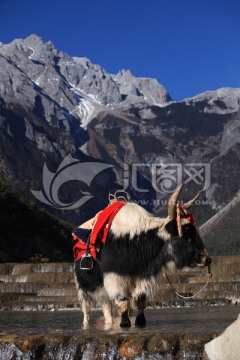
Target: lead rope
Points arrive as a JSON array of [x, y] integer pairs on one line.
[[192, 296]]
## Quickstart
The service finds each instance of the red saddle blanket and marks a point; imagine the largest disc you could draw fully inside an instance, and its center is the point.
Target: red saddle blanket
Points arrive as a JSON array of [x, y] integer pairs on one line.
[[99, 232]]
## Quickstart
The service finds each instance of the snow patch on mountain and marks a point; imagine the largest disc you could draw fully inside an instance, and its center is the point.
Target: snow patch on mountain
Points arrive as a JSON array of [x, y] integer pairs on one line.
[[85, 110], [88, 107]]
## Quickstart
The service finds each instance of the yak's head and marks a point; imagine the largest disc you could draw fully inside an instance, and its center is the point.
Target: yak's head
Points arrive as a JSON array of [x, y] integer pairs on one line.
[[186, 246]]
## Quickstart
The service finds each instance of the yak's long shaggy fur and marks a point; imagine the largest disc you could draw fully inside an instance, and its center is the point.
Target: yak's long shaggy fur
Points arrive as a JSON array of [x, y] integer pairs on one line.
[[133, 219]]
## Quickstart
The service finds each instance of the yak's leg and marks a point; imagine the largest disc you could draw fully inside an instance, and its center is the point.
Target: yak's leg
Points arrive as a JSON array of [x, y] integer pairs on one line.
[[124, 307], [86, 308], [140, 303], [116, 287], [107, 312]]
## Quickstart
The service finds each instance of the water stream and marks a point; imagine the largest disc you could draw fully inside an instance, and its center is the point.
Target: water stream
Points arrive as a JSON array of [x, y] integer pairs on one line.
[[207, 320], [170, 334]]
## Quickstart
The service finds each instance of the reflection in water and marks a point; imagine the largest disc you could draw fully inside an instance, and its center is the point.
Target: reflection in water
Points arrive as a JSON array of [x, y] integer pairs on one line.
[[207, 320]]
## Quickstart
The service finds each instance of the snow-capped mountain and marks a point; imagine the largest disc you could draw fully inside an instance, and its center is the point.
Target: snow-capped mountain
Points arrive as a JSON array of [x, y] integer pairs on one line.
[[53, 105], [75, 84]]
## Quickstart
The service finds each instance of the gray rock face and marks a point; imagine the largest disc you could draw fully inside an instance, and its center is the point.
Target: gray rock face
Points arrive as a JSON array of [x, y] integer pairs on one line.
[[148, 90], [221, 101], [231, 133], [226, 346]]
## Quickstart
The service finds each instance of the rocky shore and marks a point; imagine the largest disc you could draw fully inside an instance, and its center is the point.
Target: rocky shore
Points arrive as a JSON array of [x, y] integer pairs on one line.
[[107, 346]]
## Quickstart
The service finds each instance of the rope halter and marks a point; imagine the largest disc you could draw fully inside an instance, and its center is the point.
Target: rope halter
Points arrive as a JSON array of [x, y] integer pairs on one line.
[[209, 276]]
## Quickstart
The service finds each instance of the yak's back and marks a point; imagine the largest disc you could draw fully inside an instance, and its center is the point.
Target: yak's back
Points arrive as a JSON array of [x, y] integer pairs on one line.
[[133, 219]]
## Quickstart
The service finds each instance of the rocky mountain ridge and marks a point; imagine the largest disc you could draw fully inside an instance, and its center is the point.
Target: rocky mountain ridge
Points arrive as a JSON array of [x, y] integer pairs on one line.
[[76, 78], [53, 105]]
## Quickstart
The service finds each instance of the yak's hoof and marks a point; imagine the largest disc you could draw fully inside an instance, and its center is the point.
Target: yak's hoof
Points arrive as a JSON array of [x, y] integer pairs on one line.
[[125, 321], [140, 320]]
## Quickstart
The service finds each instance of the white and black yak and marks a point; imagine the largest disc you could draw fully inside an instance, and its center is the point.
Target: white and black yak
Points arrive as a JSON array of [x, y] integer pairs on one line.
[[138, 248]]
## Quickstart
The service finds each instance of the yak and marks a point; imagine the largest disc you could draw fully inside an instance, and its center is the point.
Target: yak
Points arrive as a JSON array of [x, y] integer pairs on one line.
[[139, 247]]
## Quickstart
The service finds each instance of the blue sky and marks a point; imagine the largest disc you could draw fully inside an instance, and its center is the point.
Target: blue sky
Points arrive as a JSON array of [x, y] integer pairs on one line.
[[188, 46]]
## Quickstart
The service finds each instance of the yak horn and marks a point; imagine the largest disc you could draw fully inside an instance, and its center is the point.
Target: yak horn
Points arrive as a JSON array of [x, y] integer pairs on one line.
[[172, 202], [188, 204]]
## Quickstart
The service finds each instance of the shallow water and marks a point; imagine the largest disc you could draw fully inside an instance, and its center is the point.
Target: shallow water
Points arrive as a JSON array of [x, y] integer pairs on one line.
[[209, 320]]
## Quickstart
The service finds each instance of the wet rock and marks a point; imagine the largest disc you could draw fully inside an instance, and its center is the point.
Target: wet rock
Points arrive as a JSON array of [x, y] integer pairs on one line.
[[131, 348], [163, 344], [191, 347], [31, 343], [104, 346]]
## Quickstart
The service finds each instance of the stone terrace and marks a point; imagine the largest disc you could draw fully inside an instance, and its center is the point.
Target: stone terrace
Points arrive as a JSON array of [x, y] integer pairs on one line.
[[47, 286]]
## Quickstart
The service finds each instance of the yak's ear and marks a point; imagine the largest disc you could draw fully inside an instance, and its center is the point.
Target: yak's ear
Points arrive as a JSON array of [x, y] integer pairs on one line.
[[188, 204], [171, 227], [172, 202]]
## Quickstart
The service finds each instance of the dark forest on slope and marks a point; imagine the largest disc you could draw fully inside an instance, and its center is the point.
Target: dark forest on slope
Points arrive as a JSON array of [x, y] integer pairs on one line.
[[28, 233]]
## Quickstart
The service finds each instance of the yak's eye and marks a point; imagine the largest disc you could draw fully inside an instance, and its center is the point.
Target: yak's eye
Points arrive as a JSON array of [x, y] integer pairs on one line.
[[187, 230]]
